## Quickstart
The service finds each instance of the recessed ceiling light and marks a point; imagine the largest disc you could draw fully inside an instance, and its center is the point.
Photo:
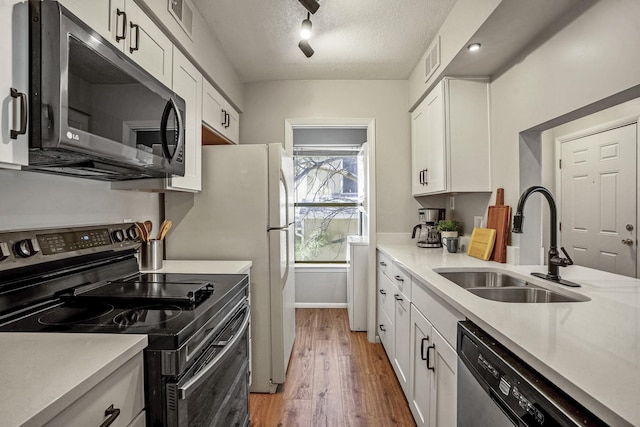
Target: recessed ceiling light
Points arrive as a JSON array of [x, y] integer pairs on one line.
[[473, 47]]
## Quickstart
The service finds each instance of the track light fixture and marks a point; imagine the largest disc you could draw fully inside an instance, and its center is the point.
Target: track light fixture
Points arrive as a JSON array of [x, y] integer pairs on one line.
[[305, 29], [306, 48], [311, 5]]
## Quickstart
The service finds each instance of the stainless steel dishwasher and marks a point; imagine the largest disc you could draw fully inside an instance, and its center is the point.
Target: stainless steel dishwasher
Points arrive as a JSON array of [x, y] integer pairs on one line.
[[496, 389]]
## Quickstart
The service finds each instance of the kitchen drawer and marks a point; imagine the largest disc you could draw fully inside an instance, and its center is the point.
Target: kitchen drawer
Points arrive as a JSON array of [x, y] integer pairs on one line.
[[442, 316], [402, 280], [386, 291], [124, 389], [386, 332], [385, 264]]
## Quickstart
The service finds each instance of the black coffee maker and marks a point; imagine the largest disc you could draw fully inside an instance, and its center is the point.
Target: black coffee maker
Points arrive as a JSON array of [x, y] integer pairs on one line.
[[426, 232]]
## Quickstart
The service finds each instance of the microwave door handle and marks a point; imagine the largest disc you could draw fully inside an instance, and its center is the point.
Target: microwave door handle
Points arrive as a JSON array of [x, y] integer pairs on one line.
[[185, 390], [171, 105]]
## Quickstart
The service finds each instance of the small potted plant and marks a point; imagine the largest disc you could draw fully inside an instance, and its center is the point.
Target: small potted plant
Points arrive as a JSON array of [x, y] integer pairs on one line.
[[449, 228]]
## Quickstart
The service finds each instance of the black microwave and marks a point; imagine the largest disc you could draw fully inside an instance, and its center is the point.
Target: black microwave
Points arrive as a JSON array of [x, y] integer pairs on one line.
[[93, 112]]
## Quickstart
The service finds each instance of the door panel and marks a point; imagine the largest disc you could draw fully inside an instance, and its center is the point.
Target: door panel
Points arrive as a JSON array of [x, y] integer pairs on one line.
[[599, 196]]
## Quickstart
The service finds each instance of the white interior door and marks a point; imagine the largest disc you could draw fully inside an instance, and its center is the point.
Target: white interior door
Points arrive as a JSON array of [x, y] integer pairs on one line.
[[599, 195]]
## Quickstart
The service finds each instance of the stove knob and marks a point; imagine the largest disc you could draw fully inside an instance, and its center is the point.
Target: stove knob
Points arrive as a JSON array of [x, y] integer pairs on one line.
[[118, 236], [26, 248], [4, 251], [132, 233]]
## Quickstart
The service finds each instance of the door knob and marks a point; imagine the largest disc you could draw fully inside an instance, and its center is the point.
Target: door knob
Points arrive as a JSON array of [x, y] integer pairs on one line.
[[629, 227], [628, 242]]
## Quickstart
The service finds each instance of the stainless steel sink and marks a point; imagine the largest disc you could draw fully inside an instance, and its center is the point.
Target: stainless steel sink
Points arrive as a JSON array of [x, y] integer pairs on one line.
[[502, 287]]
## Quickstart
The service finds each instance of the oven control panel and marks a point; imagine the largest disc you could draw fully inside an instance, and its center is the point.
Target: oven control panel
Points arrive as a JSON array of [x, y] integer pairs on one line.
[[30, 247]]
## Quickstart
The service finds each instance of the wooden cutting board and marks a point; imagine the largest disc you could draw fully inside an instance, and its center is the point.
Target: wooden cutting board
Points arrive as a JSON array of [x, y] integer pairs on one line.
[[499, 219], [481, 243]]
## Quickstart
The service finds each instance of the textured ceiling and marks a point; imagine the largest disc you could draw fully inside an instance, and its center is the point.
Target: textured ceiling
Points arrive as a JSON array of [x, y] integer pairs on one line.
[[352, 39]]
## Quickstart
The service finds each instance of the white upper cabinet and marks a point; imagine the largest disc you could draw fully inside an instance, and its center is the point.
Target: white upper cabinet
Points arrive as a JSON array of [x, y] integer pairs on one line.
[[187, 83], [124, 24], [450, 139], [219, 115], [14, 84]]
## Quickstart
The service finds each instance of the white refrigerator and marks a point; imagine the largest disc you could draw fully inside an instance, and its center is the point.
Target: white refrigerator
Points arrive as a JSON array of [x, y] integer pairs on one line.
[[245, 211]]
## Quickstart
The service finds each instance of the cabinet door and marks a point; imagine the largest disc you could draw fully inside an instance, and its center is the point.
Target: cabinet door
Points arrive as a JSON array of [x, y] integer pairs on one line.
[[444, 362], [212, 105], [385, 331], [147, 45], [187, 83], [402, 340], [418, 149], [435, 177], [14, 24], [419, 379], [232, 127], [106, 17]]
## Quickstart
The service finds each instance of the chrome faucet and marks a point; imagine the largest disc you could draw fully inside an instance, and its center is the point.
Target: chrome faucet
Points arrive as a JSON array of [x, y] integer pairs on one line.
[[554, 260]]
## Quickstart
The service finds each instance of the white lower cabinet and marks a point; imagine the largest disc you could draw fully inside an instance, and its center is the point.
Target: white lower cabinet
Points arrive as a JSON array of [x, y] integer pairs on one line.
[[119, 397], [402, 340], [419, 336], [420, 384]]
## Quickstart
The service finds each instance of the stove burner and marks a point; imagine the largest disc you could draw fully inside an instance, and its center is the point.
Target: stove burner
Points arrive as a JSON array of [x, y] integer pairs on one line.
[[150, 315], [69, 315]]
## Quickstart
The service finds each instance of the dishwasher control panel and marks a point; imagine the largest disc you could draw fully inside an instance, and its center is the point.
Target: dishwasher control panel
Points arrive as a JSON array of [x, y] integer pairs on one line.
[[520, 392]]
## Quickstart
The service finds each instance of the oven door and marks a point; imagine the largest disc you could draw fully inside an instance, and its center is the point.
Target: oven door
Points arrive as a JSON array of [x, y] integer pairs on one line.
[[215, 389]]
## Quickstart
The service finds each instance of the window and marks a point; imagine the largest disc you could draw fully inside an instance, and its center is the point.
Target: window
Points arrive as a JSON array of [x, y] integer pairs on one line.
[[327, 202]]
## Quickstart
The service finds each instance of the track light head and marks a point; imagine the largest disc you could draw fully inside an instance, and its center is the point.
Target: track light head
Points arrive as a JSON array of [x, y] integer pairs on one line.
[[305, 28], [306, 48], [311, 5]]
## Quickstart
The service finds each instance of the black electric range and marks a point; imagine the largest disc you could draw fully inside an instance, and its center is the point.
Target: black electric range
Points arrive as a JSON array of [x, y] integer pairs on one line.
[[86, 279]]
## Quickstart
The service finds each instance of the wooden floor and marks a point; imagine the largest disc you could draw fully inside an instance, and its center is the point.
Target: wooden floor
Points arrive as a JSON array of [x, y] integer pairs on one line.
[[335, 378]]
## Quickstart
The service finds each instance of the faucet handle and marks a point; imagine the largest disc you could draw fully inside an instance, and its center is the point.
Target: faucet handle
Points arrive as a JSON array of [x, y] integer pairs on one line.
[[568, 261]]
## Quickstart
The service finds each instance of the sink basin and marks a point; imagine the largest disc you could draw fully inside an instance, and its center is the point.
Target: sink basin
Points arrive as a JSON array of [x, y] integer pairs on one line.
[[503, 287], [482, 279]]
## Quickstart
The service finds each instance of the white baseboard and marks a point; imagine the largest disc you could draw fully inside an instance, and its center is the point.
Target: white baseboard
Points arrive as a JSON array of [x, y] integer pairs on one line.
[[321, 305]]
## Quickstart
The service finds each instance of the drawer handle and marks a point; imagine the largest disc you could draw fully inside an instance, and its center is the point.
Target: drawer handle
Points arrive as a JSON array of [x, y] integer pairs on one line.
[[112, 413], [432, 368], [383, 292], [422, 356], [23, 113], [382, 263], [399, 279], [137, 27], [124, 25], [382, 328], [397, 297]]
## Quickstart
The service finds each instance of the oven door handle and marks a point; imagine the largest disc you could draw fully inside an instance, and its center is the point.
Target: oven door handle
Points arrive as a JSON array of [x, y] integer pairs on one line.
[[185, 390]]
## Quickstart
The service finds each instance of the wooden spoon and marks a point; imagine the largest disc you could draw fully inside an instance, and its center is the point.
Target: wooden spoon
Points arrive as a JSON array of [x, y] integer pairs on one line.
[[149, 226], [142, 232], [164, 229]]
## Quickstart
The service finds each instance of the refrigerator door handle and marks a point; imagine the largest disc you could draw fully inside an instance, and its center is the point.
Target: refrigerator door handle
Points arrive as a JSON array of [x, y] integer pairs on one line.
[[285, 277], [286, 197]]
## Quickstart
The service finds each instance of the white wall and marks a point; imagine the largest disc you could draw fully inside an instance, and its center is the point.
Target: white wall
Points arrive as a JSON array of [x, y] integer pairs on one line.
[[268, 104], [37, 200], [321, 286], [592, 58]]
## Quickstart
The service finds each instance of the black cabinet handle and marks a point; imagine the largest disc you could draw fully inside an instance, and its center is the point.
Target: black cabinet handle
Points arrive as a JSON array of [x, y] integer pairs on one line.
[[397, 297], [23, 113], [382, 263], [383, 292], [382, 328], [399, 278], [422, 356], [124, 25], [420, 177], [426, 181], [137, 27], [228, 119], [432, 368], [112, 413]]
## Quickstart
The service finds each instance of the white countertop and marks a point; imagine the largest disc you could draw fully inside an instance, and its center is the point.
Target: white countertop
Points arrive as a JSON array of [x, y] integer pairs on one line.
[[43, 373], [203, 267], [589, 349]]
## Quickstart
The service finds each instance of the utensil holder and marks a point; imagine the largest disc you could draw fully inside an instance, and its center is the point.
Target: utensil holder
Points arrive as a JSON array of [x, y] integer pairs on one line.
[[151, 255]]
